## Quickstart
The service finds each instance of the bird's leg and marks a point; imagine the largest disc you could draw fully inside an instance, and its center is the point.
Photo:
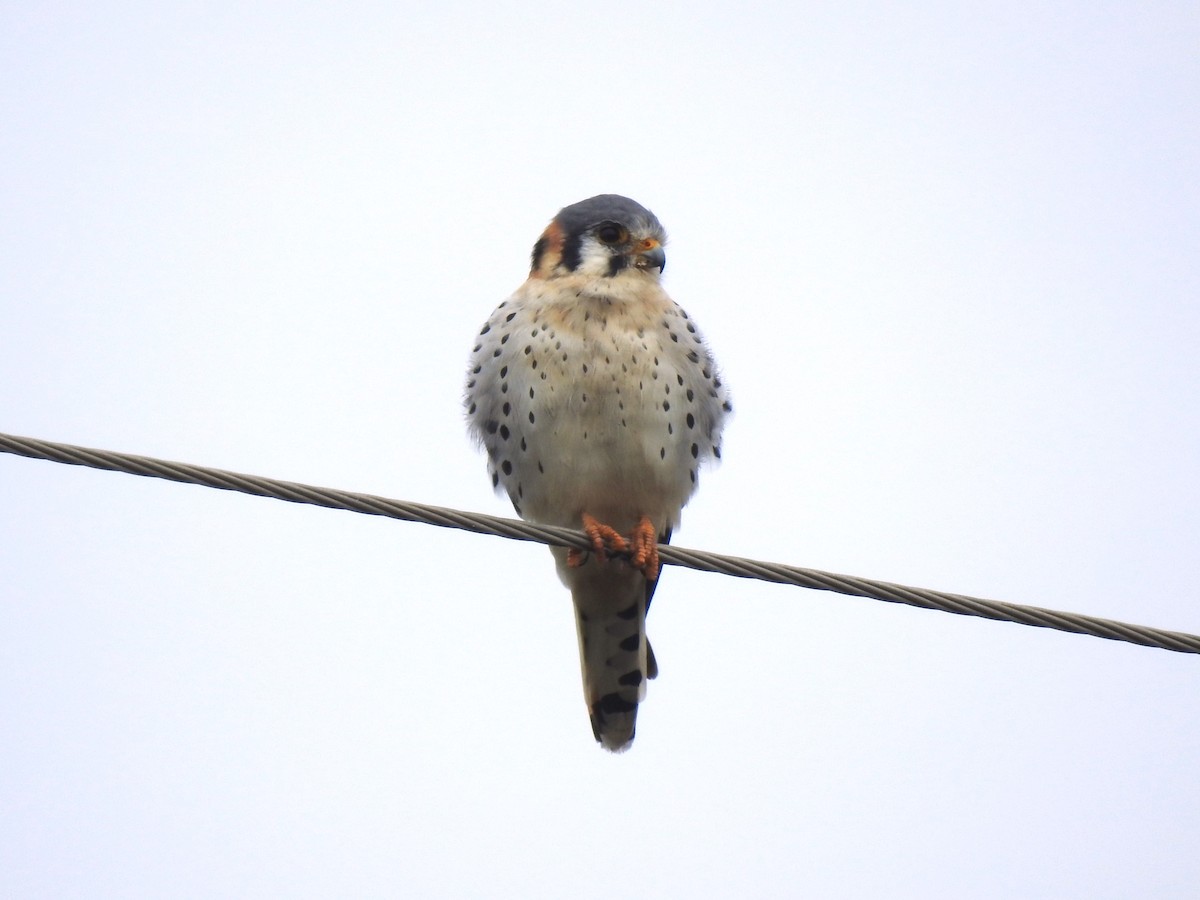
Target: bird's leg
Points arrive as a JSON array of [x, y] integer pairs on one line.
[[604, 538], [643, 546]]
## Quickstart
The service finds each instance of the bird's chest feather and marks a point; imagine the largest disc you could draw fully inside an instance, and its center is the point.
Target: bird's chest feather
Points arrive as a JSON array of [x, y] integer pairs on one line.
[[585, 395]]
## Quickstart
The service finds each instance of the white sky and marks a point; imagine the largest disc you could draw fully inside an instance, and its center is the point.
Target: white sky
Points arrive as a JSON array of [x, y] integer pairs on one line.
[[948, 261]]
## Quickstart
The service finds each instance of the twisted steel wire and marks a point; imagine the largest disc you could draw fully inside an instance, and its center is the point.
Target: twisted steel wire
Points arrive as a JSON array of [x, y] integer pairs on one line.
[[704, 561]]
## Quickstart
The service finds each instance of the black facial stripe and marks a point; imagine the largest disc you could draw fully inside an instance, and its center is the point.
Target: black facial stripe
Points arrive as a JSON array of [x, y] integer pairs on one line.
[[536, 257], [616, 263], [571, 250]]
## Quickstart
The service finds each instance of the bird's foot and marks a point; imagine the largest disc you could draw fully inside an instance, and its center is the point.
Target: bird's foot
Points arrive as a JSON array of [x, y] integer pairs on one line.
[[643, 547], [605, 542]]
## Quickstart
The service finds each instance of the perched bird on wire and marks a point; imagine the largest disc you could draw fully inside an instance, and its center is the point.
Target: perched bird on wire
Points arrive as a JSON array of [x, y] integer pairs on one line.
[[597, 402]]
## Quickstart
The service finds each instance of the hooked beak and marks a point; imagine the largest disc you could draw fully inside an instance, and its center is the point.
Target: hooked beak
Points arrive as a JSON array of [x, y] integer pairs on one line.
[[650, 255]]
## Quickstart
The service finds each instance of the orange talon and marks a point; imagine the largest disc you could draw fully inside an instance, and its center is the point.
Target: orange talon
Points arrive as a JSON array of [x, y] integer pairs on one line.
[[644, 546], [605, 539]]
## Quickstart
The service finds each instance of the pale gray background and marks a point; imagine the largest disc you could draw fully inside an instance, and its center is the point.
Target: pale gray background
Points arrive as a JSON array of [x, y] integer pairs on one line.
[[947, 256]]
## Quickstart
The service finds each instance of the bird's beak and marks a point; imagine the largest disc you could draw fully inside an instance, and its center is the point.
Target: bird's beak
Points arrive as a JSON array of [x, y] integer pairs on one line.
[[650, 255]]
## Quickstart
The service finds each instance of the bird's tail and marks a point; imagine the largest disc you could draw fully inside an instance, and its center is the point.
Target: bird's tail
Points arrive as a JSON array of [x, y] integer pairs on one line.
[[614, 655]]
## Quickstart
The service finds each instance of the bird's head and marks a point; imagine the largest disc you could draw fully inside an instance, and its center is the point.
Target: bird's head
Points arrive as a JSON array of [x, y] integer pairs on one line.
[[602, 236]]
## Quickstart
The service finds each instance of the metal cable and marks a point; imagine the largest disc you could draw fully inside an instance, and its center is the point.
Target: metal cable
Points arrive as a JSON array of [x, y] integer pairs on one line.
[[525, 531]]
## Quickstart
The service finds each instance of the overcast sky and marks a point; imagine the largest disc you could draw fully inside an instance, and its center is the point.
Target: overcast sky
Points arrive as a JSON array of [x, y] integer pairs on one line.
[[948, 260]]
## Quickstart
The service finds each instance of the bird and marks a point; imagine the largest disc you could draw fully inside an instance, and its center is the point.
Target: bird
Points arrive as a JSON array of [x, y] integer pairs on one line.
[[597, 401]]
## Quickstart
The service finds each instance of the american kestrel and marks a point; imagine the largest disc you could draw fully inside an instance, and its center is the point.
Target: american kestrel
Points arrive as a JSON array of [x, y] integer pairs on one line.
[[598, 401]]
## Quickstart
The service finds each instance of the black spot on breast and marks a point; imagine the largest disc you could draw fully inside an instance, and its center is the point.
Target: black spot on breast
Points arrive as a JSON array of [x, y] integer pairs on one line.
[[504, 432], [531, 393], [490, 426], [666, 405], [541, 471], [529, 349], [691, 395], [507, 467], [477, 348], [631, 643], [510, 317], [662, 452], [486, 329], [504, 387], [717, 450], [693, 474], [504, 371], [506, 408], [524, 446], [495, 479], [504, 339], [477, 370], [531, 417], [693, 356], [631, 679], [628, 614], [727, 406], [471, 410], [695, 451], [691, 421]]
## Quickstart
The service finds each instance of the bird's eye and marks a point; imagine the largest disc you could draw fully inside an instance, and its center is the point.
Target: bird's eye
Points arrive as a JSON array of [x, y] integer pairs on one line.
[[611, 233]]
